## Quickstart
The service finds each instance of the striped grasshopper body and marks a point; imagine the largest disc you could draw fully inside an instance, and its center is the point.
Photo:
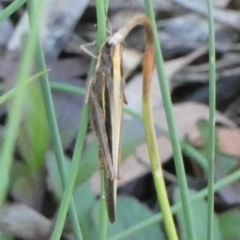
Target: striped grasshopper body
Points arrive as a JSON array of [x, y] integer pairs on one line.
[[106, 110]]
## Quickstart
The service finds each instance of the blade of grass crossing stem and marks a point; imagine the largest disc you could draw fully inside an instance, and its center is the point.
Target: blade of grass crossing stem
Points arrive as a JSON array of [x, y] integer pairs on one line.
[[15, 114], [212, 133], [172, 127], [8, 11], [54, 132], [6, 96], [65, 87]]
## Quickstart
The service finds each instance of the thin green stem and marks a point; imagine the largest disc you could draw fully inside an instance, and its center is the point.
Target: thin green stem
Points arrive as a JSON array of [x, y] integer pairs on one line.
[[212, 133], [8, 11], [6, 96], [101, 37], [101, 23], [171, 126], [103, 217], [106, 5], [158, 217], [67, 88], [68, 192], [54, 132]]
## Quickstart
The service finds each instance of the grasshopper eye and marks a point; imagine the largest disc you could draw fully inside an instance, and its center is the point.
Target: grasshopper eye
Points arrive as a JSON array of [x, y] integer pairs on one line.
[[108, 45]]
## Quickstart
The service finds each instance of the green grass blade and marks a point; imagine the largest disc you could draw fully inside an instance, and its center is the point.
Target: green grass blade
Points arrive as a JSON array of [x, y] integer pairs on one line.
[[68, 192], [212, 131], [103, 216], [172, 127], [54, 132], [101, 37], [67, 88], [8, 11], [15, 114]]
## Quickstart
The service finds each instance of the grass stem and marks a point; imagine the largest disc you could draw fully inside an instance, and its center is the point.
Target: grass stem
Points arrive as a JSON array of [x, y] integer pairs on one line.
[[212, 123]]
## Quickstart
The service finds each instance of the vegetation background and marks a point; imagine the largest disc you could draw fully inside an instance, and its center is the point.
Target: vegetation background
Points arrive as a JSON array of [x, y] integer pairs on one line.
[[48, 151]]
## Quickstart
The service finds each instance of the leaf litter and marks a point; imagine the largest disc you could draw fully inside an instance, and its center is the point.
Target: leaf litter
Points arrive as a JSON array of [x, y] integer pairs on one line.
[[185, 64]]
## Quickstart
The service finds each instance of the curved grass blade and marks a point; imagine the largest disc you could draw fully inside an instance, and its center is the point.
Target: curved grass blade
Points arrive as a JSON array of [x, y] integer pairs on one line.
[[148, 65]]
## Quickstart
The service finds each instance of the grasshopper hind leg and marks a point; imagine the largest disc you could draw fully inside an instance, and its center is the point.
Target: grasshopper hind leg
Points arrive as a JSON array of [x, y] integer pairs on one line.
[[111, 198], [98, 124], [110, 191]]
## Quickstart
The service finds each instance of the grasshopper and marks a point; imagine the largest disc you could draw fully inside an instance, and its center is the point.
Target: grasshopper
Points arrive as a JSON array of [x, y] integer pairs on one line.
[[106, 97], [106, 109]]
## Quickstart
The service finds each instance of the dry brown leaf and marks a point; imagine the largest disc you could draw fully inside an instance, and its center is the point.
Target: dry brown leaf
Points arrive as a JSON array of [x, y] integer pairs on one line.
[[133, 90], [221, 3], [186, 117], [58, 23], [229, 140], [131, 59], [175, 65], [225, 16], [22, 221], [133, 93], [130, 169], [165, 151], [135, 7]]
